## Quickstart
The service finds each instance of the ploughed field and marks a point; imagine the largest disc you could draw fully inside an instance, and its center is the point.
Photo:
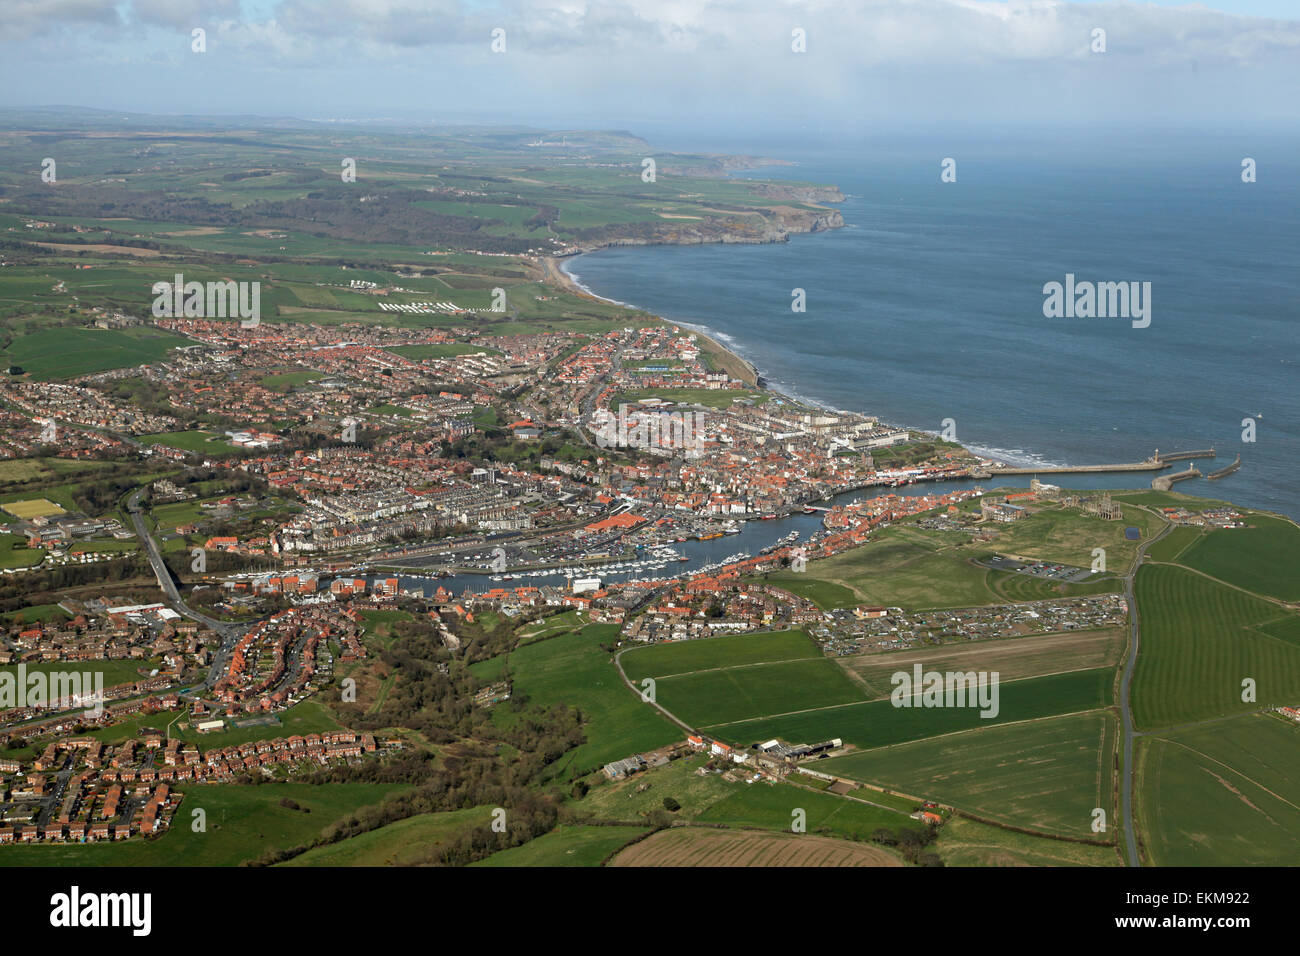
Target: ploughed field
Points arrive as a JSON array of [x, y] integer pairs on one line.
[[691, 846]]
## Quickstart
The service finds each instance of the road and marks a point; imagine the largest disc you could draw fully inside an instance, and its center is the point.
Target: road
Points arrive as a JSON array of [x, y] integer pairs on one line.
[[230, 633], [653, 703], [1126, 715]]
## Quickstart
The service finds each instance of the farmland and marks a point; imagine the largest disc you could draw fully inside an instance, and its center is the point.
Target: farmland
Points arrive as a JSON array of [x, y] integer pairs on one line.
[[688, 846], [707, 798], [684, 657], [1046, 775], [878, 722], [773, 808], [571, 669], [567, 846], [729, 695], [1224, 794], [1200, 641], [966, 842], [1259, 558], [1174, 543], [60, 353], [1012, 658]]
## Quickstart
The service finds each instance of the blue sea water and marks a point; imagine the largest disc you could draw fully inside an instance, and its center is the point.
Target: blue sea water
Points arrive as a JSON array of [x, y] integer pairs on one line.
[[928, 305]]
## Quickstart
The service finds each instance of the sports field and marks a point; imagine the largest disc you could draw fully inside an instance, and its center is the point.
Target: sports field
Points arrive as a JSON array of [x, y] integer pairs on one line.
[[33, 508], [200, 442]]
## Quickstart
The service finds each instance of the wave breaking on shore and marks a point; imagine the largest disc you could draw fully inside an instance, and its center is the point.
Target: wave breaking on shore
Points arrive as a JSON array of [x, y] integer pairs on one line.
[[1011, 457]]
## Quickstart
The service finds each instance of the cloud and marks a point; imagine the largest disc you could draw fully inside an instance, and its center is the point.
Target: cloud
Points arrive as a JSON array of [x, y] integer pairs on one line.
[[182, 14], [864, 58], [900, 31], [24, 19]]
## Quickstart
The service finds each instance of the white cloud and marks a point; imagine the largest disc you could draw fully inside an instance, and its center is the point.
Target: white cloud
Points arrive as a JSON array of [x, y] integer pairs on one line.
[[871, 57]]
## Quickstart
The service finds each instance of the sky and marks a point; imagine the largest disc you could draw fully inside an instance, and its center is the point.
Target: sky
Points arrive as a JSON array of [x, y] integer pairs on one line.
[[708, 64]]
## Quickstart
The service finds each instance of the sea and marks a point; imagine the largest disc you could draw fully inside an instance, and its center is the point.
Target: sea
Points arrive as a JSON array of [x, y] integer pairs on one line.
[[928, 308]]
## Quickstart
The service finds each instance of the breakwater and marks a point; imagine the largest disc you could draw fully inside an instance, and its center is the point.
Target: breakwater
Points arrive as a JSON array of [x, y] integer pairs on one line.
[[1224, 472], [1164, 482]]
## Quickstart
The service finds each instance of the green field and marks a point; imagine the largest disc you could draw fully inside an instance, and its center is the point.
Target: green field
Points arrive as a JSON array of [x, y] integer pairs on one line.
[[1227, 794], [724, 696], [37, 612], [1199, 641], [683, 657], [903, 566], [879, 723], [824, 594], [379, 624], [286, 381], [708, 798], [114, 672], [14, 552], [567, 846], [1044, 775], [1036, 655], [242, 824], [1260, 558], [964, 842], [571, 669], [200, 442], [1174, 543], [59, 353], [773, 806], [407, 842], [1069, 536]]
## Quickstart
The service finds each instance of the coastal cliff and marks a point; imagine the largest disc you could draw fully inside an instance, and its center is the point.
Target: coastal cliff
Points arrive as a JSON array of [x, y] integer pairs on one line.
[[776, 224]]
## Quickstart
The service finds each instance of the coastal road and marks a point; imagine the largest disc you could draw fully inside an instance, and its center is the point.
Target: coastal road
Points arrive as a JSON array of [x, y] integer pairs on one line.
[[1126, 715]]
